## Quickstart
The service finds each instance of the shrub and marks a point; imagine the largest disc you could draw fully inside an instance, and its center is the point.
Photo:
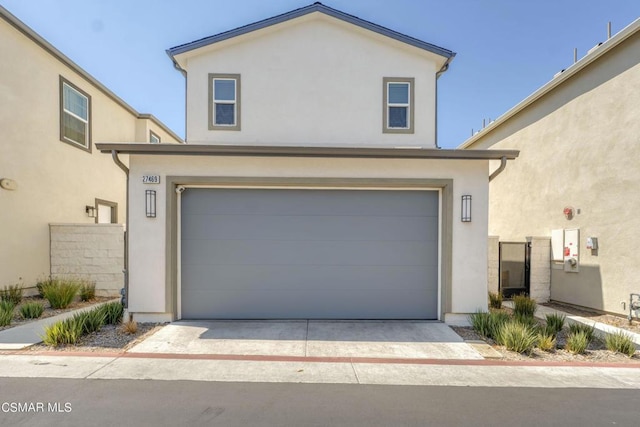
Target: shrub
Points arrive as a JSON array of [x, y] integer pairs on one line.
[[523, 306], [496, 320], [66, 331], [87, 292], [113, 312], [130, 327], [577, 342], [518, 337], [588, 330], [620, 342], [555, 323], [7, 306], [12, 294], [60, 293], [91, 320], [480, 322], [495, 300], [528, 321], [5, 316], [31, 310], [546, 341]]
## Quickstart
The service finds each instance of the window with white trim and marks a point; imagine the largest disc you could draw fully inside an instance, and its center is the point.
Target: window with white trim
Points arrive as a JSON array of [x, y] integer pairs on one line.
[[398, 105], [224, 101], [75, 105], [153, 138]]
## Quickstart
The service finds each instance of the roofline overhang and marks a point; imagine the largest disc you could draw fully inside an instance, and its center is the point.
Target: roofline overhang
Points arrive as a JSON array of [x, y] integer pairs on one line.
[[67, 62], [315, 7], [565, 75], [298, 151]]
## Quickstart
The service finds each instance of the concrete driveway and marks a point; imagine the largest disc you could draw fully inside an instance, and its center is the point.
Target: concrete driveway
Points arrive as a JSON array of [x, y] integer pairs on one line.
[[311, 338]]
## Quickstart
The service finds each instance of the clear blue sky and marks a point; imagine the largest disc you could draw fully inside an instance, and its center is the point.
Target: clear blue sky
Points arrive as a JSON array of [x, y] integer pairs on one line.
[[505, 49]]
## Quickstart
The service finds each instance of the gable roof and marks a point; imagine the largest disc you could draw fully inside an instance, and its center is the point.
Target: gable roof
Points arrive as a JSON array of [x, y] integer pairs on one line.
[[315, 7], [50, 49]]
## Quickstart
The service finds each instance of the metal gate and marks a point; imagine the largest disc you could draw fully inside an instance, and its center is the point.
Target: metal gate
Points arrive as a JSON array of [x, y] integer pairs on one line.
[[514, 269]]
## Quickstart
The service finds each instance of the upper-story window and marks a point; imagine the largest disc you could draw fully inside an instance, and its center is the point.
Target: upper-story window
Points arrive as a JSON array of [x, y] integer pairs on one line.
[[153, 138], [398, 105], [75, 115], [224, 101]]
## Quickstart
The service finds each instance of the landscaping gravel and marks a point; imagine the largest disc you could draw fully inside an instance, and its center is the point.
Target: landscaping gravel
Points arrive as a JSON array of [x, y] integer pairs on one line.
[[110, 338]]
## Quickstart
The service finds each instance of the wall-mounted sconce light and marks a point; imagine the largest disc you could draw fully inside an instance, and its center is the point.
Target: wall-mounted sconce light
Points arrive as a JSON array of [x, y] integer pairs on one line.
[[150, 203], [466, 209], [90, 211]]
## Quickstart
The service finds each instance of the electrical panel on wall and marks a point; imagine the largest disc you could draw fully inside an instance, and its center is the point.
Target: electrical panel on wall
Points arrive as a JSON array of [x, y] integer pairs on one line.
[[571, 252]]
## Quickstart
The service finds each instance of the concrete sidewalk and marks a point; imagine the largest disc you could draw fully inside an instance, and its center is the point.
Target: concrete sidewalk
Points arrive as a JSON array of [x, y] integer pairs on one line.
[[479, 373]]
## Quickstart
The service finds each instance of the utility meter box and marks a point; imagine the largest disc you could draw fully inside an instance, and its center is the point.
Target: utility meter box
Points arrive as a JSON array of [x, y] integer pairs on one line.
[[571, 250]]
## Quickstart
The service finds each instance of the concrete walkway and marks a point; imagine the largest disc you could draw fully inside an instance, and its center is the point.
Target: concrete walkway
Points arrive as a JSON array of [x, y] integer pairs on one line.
[[311, 338], [26, 335]]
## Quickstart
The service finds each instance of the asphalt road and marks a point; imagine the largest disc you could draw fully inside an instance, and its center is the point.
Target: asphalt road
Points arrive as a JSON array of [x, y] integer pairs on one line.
[[66, 402]]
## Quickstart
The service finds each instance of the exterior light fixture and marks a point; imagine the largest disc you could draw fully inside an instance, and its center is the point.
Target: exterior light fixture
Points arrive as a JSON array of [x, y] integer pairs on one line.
[[466, 208], [90, 211], [150, 203]]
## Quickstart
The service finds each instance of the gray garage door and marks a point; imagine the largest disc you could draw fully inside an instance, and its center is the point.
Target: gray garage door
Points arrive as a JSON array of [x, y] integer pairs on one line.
[[323, 254]]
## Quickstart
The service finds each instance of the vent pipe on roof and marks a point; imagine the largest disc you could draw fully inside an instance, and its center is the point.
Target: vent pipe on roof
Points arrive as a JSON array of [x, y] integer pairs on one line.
[[575, 55], [609, 30]]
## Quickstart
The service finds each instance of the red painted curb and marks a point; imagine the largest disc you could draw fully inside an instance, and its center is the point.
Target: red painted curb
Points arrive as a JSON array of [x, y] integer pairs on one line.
[[268, 358]]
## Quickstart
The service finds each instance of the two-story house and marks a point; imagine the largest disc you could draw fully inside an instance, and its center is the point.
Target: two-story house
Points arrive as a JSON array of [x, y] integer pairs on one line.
[[52, 113], [575, 183], [311, 185]]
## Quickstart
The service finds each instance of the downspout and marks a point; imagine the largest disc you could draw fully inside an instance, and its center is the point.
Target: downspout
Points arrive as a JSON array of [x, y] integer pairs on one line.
[[184, 74], [444, 68], [125, 294], [503, 164]]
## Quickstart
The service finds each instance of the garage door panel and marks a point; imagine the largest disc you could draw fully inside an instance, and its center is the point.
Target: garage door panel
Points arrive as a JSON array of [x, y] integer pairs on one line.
[[293, 278], [290, 227], [308, 202], [225, 252], [378, 304], [361, 254]]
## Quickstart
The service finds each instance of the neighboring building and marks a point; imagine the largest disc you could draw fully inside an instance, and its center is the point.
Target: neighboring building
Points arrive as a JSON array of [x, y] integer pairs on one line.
[[294, 198], [51, 114], [579, 171]]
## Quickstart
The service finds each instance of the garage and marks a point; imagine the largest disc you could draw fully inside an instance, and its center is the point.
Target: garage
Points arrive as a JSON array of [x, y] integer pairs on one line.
[[308, 254]]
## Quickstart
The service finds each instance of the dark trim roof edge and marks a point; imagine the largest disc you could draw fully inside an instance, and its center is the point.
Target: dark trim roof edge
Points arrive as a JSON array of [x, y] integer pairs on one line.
[[556, 81], [49, 48], [315, 7], [288, 151]]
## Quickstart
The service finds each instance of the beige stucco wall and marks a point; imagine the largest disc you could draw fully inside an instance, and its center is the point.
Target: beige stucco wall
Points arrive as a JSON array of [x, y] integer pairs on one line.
[[578, 148], [147, 236], [55, 180], [312, 81]]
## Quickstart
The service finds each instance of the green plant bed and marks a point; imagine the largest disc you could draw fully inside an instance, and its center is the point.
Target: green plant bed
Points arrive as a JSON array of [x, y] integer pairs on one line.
[[31, 310], [5, 317], [11, 294], [60, 293], [620, 342]]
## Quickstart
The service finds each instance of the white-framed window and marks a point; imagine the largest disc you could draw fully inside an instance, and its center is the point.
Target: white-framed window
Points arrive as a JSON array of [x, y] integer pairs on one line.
[[154, 138], [224, 101], [398, 105], [75, 115]]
